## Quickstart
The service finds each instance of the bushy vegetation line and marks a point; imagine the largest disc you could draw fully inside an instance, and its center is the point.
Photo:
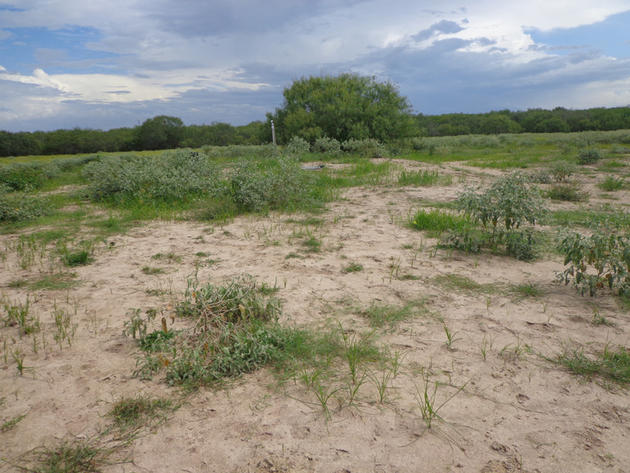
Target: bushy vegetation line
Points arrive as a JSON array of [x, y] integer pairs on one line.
[[325, 111], [20, 207]]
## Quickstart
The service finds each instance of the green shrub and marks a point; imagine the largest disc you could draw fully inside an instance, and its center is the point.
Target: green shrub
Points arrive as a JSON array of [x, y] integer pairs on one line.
[[298, 146], [327, 145], [469, 240], [509, 202], [596, 261], [561, 171], [521, 245], [567, 192], [611, 183], [20, 207], [157, 340], [367, 148], [22, 176], [272, 184], [173, 176], [589, 156]]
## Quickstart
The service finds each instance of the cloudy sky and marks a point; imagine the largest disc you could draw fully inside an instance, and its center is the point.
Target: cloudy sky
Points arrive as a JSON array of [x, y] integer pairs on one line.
[[112, 63]]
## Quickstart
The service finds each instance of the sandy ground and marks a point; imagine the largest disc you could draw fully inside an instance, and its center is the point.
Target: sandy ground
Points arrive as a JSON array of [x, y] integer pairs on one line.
[[516, 413]]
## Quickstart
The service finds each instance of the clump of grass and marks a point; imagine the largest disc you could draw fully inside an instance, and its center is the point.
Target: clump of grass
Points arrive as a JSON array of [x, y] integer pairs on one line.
[[611, 184], [237, 300], [427, 399], [464, 283], [152, 270], [353, 268], [599, 319], [11, 423], [380, 315], [169, 257], [19, 314], [423, 178], [567, 192], [312, 245], [140, 411], [528, 289], [610, 364], [70, 456], [54, 282], [437, 222]]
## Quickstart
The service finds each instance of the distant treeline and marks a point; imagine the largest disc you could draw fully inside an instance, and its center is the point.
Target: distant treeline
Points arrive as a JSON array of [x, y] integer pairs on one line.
[[530, 121], [165, 132], [156, 133]]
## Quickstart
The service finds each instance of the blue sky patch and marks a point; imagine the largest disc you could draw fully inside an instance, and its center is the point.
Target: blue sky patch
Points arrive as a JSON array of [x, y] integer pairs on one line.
[[55, 51], [611, 36]]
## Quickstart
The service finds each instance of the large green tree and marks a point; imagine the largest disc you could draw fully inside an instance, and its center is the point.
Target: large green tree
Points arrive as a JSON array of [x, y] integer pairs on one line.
[[342, 107], [160, 132]]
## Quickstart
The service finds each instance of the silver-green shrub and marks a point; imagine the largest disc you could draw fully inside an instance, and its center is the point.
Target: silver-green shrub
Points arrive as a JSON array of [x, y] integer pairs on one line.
[[269, 184], [176, 175], [18, 207], [368, 148], [327, 145], [297, 146]]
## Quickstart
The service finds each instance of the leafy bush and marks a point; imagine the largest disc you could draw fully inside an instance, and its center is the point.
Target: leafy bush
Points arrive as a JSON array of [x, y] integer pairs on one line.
[[327, 145], [469, 240], [368, 148], [22, 176], [561, 171], [589, 156], [596, 261], [20, 207], [298, 146], [611, 183], [509, 202], [567, 192], [238, 151], [521, 245], [542, 176], [271, 184], [178, 175]]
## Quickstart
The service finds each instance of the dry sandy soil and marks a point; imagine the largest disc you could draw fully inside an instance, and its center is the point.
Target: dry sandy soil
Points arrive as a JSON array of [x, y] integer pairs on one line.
[[517, 412]]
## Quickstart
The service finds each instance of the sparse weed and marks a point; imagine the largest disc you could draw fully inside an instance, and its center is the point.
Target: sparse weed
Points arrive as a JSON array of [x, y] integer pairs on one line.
[[151, 270], [353, 268], [19, 314], [11, 423], [65, 328], [427, 399], [450, 337]]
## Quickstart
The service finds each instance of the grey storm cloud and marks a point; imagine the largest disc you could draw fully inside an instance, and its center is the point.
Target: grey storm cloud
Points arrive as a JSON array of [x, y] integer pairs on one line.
[[230, 17], [443, 26]]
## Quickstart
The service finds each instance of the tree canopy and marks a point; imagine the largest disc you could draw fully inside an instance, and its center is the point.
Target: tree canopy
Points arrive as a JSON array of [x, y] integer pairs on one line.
[[343, 107]]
